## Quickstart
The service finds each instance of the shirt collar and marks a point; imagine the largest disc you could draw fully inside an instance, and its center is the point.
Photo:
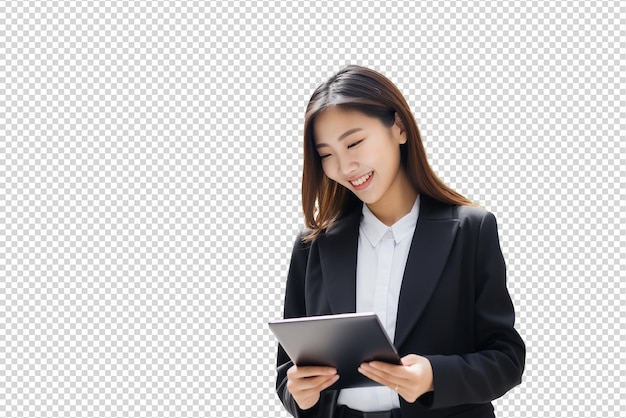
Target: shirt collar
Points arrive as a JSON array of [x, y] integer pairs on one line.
[[374, 229]]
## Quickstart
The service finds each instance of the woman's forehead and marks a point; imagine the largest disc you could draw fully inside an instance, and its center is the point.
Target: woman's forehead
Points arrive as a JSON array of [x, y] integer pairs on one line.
[[332, 122]]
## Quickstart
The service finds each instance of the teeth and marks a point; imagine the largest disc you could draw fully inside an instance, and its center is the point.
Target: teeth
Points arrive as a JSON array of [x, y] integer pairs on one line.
[[361, 180]]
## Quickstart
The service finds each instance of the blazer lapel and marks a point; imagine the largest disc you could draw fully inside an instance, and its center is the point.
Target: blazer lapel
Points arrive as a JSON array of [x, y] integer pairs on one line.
[[433, 238], [338, 256]]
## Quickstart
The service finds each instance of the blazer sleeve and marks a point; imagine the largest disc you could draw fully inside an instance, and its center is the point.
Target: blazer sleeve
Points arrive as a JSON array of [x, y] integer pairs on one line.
[[294, 306], [497, 364]]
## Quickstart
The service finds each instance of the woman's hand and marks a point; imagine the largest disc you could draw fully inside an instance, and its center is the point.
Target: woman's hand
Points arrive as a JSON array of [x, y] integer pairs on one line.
[[411, 379], [306, 383]]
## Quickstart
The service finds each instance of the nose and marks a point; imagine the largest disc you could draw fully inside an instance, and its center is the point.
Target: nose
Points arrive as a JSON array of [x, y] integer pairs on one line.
[[348, 166]]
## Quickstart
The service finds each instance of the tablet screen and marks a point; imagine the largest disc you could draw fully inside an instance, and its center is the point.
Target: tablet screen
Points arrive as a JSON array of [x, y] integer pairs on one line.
[[343, 341]]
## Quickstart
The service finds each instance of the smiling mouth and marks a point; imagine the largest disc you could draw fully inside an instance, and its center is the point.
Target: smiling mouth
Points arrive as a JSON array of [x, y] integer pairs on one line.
[[361, 179]]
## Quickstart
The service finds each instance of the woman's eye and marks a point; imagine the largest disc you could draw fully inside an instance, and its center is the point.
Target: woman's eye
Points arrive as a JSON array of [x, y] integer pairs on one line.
[[324, 156], [354, 144]]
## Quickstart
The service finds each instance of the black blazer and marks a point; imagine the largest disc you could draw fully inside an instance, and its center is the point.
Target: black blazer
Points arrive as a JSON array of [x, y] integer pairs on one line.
[[454, 308]]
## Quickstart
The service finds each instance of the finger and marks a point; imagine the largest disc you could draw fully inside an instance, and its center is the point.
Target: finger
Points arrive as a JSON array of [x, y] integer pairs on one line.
[[409, 359], [385, 369], [402, 388], [331, 381], [307, 398], [382, 377], [373, 376], [310, 371], [323, 383], [392, 381], [311, 383]]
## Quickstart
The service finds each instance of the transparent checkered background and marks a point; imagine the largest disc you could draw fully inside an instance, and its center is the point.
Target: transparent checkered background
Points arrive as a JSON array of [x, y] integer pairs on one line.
[[151, 163]]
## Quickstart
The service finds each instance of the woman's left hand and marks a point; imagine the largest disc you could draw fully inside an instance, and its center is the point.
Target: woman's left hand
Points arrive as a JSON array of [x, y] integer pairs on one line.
[[411, 379]]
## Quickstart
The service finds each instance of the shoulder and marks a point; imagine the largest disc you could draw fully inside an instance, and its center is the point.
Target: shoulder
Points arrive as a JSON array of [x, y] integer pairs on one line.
[[302, 241], [434, 209], [473, 217], [473, 213]]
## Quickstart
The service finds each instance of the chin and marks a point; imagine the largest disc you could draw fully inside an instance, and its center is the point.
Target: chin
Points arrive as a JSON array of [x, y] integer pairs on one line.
[[365, 199], [368, 200]]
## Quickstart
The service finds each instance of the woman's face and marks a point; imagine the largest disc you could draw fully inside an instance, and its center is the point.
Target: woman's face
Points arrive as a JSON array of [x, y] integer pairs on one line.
[[360, 153]]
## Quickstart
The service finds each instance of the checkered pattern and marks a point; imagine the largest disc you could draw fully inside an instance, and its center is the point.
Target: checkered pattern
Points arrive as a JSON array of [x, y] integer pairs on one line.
[[151, 161]]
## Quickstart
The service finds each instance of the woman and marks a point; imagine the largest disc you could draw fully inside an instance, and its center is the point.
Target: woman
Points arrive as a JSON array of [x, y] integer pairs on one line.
[[385, 235]]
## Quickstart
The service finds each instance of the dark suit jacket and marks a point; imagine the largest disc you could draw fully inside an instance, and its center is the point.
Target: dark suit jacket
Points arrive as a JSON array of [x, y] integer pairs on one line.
[[454, 308]]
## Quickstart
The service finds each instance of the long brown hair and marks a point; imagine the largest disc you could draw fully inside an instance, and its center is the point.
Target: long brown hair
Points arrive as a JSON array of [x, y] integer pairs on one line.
[[358, 88]]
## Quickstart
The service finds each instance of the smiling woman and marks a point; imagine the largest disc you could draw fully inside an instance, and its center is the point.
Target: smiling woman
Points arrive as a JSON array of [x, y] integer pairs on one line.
[[386, 235], [365, 159], [360, 101]]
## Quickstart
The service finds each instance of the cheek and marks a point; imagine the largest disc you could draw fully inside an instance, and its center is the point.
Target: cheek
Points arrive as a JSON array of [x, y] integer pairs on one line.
[[330, 169], [327, 168], [390, 154]]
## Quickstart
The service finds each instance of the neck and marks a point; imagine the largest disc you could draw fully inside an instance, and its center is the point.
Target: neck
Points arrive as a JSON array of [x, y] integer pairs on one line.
[[398, 201]]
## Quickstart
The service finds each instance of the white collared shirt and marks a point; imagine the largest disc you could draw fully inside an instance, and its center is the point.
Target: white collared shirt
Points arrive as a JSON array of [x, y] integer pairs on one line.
[[381, 258]]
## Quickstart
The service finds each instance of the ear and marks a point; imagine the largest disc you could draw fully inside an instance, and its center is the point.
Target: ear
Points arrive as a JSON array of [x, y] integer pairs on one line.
[[399, 128]]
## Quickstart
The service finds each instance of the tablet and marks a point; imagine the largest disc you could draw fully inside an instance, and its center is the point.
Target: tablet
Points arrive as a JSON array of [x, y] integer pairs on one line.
[[343, 341]]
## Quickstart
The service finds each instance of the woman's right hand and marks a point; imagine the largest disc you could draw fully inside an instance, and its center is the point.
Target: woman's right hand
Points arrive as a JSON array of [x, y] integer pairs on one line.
[[306, 383]]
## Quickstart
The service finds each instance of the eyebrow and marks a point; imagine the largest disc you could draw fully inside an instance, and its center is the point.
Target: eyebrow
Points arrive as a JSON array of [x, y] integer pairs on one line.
[[342, 136]]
